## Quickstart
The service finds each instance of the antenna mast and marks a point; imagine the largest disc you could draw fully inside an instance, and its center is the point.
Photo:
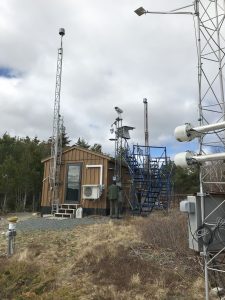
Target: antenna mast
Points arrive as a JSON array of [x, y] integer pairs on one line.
[[56, 146], [145, 101]]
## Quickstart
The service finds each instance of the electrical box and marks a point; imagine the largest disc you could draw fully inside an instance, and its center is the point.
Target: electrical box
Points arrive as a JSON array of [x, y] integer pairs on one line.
[[209, 233], [192, 206], [91, 192], [187, 206]]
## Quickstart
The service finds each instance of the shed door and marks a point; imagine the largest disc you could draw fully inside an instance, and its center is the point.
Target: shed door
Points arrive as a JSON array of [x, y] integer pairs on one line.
[[73, 186]]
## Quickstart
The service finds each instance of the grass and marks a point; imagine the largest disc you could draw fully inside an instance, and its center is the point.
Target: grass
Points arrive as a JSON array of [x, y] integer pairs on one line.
[[135, 258]]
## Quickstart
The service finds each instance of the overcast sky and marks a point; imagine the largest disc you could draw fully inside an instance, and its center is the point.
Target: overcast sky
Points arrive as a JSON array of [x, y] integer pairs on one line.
[[112, 58]]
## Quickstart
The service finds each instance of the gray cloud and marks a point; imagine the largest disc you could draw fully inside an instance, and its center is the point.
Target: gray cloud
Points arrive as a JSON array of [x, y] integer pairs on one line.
[[111, 58]]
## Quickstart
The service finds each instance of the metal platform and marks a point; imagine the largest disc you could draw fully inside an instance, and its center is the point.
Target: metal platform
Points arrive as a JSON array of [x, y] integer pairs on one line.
[[150, 173]]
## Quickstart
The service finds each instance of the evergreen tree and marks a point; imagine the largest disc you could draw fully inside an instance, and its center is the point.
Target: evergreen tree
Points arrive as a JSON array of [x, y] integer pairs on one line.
[[21, 171], [96, 148], [81, 142], [186, 181], [65, 139]]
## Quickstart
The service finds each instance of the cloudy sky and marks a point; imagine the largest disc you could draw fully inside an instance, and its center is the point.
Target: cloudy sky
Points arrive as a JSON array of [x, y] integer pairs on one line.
[[112, 58]]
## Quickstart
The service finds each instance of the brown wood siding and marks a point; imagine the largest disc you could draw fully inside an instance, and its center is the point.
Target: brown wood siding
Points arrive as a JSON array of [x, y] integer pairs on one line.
[[45, 186], [88, 176], [92, 176]]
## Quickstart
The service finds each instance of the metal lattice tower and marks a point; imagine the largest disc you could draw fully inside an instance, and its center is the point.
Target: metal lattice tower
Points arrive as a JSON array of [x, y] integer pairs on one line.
[[119, 141], [211, 52], [121, 136], [210, 44], [56, 146], [209, 18]]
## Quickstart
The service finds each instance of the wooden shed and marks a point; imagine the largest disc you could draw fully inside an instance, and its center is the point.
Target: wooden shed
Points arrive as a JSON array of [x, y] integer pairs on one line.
[[84, 179]]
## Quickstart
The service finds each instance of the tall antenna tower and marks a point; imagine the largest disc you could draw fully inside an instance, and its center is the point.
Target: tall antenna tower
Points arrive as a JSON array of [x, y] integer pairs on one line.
[[210, 44], [209, 16], [56, 146]]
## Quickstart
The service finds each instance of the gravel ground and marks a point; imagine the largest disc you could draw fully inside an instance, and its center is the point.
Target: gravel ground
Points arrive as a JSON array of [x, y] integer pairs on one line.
[[31, 223], [57, 224]]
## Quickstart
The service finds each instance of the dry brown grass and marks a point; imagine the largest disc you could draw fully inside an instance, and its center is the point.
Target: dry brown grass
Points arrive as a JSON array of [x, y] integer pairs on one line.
[[137, 258]]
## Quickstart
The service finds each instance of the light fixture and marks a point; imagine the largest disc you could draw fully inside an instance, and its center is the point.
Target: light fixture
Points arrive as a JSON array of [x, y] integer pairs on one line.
[[118, 110], [140, 11], [186, 159], [187, 132]]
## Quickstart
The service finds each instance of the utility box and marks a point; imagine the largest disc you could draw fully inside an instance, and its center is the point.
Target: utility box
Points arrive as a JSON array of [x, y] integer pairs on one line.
[[91, 191], [188, 206], [192, 206], [207, 233]]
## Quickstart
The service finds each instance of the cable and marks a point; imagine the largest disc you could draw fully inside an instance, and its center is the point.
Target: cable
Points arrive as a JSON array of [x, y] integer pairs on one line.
[[205, 234], [193, 237]]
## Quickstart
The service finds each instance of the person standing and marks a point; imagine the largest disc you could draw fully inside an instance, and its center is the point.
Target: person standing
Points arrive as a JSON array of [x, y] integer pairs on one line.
[[113, 195]]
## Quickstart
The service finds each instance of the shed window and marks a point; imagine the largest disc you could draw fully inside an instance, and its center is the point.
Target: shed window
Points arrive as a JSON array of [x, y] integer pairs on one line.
[[73, 183]]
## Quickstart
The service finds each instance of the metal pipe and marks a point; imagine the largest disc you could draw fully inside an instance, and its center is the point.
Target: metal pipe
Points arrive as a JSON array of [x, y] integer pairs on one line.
[[210, 127], [209, 157], [145, 101]]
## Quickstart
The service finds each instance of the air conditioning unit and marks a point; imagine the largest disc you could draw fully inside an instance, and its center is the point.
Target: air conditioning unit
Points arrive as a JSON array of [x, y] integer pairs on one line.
[[91, 191]]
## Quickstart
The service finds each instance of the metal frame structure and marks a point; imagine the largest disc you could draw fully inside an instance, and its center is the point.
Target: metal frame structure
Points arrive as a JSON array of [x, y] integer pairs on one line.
[[118, 144], [151, 183], [209, 18], [148, 168], [58, 128], [210, 44]]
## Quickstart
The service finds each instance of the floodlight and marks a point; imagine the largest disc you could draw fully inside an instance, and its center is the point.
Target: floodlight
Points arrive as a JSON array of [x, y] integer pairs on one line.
[[187, 132], [118, 110], [140, 11], [185, 159]]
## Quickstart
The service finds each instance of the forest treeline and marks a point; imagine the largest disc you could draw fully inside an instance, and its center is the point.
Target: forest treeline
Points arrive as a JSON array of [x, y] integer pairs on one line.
[[21, 171]]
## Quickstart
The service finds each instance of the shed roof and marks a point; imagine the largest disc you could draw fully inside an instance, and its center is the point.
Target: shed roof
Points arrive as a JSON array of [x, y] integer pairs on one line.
[[84, 150]]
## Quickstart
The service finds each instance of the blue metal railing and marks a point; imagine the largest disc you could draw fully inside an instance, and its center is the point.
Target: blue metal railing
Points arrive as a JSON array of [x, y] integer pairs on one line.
[[150, 177]]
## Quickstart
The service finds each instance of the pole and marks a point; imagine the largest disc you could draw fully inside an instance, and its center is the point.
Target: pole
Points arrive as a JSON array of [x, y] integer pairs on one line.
[[197, 12], [145, 101]]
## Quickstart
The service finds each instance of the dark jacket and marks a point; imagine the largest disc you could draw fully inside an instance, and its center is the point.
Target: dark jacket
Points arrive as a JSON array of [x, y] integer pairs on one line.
[[113, 192]]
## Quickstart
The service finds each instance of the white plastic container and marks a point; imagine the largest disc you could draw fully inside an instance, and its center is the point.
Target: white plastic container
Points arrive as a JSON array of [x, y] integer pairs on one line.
[[79, 213]]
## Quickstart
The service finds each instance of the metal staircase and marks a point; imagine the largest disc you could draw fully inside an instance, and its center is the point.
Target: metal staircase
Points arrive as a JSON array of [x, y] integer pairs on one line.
[[150, 177]]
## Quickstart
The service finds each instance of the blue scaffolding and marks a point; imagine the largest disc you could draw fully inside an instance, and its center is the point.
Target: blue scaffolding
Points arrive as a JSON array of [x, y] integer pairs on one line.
[[150, 172]]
